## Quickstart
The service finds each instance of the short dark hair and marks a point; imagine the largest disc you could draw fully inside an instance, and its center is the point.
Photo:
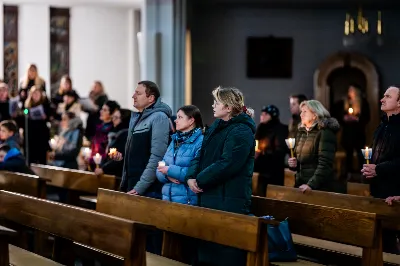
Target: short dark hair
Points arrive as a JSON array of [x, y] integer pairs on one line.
[[113, 105], [5, 147], [300, 97], [151, 88], [193, 111], [10, 125]]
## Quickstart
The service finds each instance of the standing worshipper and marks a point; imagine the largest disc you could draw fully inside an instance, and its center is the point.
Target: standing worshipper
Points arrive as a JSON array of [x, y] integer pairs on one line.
[[222, 172], [383, 170], [270, 158], [315, 148], [185, 145], [147, 143]]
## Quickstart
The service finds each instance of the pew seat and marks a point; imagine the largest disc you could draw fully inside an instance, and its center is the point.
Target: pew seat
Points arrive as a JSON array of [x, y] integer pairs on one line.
[[297, 263], [21, 257], [340, 248]]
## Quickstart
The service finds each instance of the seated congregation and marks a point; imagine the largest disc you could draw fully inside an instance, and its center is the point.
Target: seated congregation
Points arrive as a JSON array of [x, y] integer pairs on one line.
[[150, 188]]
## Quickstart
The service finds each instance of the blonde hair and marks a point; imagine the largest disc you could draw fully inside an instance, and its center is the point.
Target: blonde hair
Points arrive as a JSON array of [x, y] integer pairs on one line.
[[233, 98], [39, 82], [29, 103], [317, 108]]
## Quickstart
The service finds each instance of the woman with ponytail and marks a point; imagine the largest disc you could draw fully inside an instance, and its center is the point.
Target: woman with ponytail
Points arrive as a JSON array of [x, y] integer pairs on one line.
[[221, 174]]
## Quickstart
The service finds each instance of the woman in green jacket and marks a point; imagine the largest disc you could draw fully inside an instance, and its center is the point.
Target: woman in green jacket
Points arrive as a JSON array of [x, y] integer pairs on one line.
[[222, 173], [315, 148]]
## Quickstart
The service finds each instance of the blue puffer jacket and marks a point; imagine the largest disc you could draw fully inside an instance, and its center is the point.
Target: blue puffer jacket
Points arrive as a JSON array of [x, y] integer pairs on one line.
[[178, 166]]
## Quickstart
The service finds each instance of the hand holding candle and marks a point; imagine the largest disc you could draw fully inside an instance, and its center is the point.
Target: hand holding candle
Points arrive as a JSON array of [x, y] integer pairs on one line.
[[367, 153], [161, 164], [97, 159], [53, 144], [113, 152], [290, 142]]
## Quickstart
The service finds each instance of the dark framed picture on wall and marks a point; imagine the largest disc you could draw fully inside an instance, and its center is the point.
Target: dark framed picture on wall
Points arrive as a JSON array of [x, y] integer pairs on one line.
[[269, 57]]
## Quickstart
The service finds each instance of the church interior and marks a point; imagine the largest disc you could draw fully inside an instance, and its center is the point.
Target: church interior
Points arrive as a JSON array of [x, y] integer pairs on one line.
[[199, 132]]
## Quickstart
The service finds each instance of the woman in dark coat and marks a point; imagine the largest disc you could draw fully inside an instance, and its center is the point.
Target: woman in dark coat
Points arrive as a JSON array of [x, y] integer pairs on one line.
[[315, 148], [222, 173], [272, 149], [116, 139]]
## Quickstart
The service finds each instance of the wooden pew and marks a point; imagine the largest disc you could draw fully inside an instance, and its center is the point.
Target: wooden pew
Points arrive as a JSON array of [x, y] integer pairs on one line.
[[230, 229], [358, 189], [31, 185], [5, 234], [76, 182], [26, 184], [337, 225], [110, 234], [388, 215]]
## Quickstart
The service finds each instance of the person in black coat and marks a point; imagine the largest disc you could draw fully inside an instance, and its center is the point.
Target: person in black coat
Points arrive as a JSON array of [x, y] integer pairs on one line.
[[383, 170], [222, 172], [272, 149], [353, 114], [116, 139]]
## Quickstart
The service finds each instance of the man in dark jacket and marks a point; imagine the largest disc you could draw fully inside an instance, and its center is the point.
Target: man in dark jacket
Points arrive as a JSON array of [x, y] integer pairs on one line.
[[383, 172], [11, 159]]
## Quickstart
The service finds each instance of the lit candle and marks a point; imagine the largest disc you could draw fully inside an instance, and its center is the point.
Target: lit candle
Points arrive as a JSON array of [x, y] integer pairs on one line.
[[367, 153], [351, 111], [53, 144], [87, 153], [290, 142], [161, 164], [97, 159], [257, 146], [113, 151]]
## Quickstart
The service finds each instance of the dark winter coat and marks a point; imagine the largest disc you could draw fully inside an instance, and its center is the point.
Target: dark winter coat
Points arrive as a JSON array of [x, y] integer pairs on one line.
[[224, 167], [270, 164], [315, 152], [14, 161], [386, 156]]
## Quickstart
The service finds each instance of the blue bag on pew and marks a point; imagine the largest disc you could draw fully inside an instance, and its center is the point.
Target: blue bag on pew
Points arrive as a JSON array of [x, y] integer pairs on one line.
[[280, 242]]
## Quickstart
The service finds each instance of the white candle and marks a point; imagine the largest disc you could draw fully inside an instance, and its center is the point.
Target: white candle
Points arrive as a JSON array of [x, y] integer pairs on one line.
[[366, 152], [256, 145], [97, 159], [53, 144], [351, 111], [161, 164], [87, 152]]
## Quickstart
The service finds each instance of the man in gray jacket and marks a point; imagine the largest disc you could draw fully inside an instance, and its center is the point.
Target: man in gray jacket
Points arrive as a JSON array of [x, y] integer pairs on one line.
[[147, 142]]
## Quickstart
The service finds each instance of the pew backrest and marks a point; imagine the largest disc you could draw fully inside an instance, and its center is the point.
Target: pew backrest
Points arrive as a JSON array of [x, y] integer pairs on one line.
[[390, 215], [25, 184], [74, 179], [224, 228], [333, 224], [98, 230]]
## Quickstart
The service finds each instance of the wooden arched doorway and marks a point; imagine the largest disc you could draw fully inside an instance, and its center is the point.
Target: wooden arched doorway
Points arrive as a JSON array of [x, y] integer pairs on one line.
[[359, 65]]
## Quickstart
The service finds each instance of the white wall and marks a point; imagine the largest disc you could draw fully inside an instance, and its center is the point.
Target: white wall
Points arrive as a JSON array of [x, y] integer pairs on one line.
[[100, 50], [34, 39]]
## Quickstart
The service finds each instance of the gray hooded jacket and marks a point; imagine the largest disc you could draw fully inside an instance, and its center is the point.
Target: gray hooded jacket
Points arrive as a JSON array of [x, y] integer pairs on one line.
[[146, 145]]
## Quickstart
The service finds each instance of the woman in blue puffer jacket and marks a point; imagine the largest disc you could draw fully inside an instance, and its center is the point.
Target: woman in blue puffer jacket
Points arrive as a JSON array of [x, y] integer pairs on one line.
[[185, 145]]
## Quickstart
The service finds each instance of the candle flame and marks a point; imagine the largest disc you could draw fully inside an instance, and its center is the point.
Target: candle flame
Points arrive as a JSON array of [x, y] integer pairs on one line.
[[351, 111]]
